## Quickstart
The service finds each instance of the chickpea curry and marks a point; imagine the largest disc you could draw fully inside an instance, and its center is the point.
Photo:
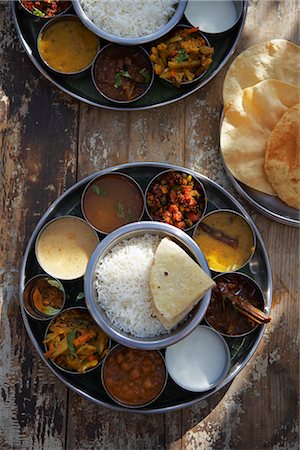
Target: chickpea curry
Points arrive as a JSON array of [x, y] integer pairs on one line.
[[134, 377], [183, 57], [176, 198], [75, 342]]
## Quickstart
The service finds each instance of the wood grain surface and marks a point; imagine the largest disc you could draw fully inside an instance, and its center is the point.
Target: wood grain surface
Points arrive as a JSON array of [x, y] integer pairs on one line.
[[48, 141]]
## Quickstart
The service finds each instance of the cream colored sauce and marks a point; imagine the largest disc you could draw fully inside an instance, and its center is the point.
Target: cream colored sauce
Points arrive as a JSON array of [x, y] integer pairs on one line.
[[65, 247]]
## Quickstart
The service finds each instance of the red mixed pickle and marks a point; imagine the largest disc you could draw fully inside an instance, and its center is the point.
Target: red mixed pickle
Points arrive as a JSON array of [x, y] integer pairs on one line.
[[46, 8], [176, 198]]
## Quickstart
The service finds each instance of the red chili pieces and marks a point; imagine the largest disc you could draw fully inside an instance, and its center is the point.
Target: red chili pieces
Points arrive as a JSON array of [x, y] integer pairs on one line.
[[46, 8], [176, 198]]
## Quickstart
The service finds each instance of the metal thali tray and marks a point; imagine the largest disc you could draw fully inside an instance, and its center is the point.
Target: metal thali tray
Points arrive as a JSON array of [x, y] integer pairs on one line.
[[161, 93], [89, 385]]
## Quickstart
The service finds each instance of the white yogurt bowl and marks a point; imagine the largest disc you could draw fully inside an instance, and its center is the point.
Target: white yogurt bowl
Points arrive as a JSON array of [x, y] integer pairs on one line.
[[200, 361]]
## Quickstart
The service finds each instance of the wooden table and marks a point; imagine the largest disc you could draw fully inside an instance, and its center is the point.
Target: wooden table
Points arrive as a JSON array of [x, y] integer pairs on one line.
[[48, 141]]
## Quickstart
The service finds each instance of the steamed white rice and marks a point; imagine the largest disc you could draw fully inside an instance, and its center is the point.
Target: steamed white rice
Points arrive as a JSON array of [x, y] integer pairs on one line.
[[129, 18], [122, 284]]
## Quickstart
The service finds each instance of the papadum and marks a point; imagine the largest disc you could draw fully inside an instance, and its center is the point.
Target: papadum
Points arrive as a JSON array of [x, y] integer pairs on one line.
[[276, 59], [282, 158], [177, 283], [246, 128]]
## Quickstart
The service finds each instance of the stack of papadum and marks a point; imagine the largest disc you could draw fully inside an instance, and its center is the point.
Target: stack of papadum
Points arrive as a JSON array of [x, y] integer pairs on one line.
[[260, 132]]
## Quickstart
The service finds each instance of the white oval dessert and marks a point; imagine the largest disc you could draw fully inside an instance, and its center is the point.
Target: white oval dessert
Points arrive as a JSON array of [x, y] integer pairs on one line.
[[64, 247], [200, 361]]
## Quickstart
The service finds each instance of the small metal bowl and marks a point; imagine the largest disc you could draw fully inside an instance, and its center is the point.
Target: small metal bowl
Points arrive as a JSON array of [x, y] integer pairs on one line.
[[32, 14], [252, 285], [196, 79], [102, 54], [198, 185], [246, 223], [51, 223], [116, 175], [73, 372], [189, 362], [196, 14], [29, 306], [118, 348], [99, 314], [130, 40], [53, 22]]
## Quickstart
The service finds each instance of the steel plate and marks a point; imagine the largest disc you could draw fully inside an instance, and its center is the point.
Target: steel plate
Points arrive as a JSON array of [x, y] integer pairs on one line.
[[268, 205], [161, 93], [89, 385]]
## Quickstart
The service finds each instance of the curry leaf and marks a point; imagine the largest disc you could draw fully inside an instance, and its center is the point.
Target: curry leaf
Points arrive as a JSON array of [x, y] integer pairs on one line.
[[54, 283], [118, 77], [70, 339], [182, 56]]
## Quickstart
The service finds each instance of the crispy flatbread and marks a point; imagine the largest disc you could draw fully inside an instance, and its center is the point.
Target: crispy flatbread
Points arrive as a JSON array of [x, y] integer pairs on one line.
[[282, 159], [246, 128], [177, 283], [277, 59]]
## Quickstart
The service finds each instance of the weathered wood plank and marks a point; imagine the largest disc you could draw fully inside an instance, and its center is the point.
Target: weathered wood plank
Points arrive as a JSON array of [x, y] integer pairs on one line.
[[37, 161], [259, 409]]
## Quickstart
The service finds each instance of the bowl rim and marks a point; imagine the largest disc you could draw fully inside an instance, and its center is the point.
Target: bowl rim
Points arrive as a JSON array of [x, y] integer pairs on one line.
[[68, 217], [251, 280], [136, 47], [115, 348], [221, 210], [131, 40], [93, 180], [49, 24], [195, 178], [126, 232], [226, 365]]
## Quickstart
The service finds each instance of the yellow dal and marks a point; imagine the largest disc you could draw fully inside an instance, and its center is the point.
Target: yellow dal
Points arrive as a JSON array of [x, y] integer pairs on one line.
[[68, 46], [220, 256]]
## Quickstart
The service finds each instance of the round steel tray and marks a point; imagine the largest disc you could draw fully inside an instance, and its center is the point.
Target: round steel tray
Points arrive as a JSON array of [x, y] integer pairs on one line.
[[270, 206], [89, 385], [161, 93]]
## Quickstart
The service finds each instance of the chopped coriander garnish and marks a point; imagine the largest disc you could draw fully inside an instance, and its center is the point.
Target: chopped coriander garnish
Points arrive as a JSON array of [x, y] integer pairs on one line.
[[120, 210], [38, 12], [118, 77], [131, 215], [145, 74], [182, 56], [98, 190]]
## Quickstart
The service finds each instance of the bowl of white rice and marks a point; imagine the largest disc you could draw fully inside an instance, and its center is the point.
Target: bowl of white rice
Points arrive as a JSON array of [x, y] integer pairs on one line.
[[117, 290], [130, 22]]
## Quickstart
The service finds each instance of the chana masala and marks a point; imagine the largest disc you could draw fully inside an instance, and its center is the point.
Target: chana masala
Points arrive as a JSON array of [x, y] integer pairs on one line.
[[176, 198], [134, 377]]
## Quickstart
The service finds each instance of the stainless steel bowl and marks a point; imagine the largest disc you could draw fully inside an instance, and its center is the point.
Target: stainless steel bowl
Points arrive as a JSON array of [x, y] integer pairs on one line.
[[128, 40], [98, 313], [49, 24]]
